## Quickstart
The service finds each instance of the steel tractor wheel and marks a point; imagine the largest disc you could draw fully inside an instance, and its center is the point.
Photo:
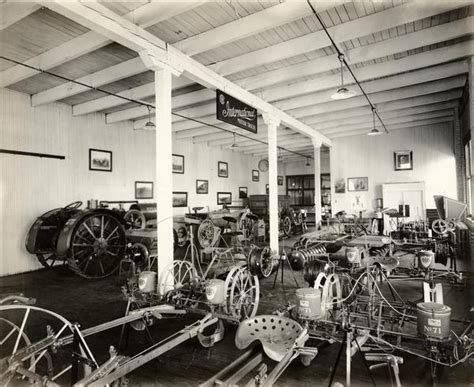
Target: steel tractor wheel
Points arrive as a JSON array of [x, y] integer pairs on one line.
[[243, 293], [49, 259], [134, 220], [286, 225], [97, 245], [21, 326]]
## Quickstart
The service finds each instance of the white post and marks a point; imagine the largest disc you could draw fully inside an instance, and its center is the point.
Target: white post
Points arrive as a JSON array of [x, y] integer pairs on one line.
[[272, 124], [317, 182], [471, 112], [163, 173], [164, 176]]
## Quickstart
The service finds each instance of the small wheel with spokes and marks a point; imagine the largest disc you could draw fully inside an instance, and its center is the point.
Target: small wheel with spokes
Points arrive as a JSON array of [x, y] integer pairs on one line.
[[243, 293]]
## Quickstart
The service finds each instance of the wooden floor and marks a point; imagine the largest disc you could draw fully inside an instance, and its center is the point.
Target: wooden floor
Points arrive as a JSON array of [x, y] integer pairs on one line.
[[92, 302]]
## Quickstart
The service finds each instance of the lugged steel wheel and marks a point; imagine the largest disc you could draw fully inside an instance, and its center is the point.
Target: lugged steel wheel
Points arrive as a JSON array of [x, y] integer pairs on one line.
[[243, 293], [36, 347], [134, 220], [48, 260], [286, 225], [97, 245]]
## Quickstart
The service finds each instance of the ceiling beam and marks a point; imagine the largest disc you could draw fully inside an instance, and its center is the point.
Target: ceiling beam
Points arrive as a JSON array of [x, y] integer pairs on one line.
[[379, 97], [282, 95], [403, 125], [181, 101], [360, 54], [362, 26], [255, 23], [13, 12], [144, 16], [432, 125], [98, 18], [292, 141], [366, 118]]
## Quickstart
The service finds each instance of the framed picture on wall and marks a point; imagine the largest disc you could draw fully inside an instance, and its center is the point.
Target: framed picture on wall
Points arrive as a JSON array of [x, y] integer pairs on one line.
[[202, 186], [403, 160], [143, 190], [255, 175], [180, 199], [224, 198], [280, 180], [243, 192], [100, 160], [340, 186], [178, 164], [357, 184], [222, 169]]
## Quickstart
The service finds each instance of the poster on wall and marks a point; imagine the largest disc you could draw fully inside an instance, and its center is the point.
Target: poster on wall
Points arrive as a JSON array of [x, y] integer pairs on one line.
[[224, 198], [358, 184], [143, 190], [243, 192], [180, 199], [403, 160], [235, 112], [100, 160], [202, 186], [178, 164], [340, 186]]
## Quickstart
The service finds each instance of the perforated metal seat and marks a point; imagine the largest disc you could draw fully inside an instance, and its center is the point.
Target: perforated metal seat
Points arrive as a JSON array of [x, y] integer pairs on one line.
[[278, 335]]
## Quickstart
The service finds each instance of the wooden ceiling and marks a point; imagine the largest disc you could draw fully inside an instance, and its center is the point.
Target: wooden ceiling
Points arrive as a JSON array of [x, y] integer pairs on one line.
[[410, 56]]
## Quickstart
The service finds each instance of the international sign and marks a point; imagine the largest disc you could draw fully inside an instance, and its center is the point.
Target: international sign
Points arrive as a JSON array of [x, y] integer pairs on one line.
[[235, 112]]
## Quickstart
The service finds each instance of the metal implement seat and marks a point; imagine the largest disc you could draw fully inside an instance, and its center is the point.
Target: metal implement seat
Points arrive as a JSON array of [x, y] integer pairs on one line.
[[278, 335]]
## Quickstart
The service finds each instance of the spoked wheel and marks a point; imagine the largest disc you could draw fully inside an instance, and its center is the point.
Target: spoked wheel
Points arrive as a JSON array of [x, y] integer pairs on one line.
[[97, 246], [134, 220], [260, 262], [286, 225], [48, 260], [243, 293], [439, 226], [207, 234], [174, 280], [36, 347]]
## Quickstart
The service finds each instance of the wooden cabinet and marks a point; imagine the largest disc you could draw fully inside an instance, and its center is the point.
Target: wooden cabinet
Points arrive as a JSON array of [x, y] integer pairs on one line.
[[258, 204]]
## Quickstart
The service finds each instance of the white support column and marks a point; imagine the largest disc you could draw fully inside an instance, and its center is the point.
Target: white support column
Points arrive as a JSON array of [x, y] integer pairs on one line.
[[317, 182], [164, 176], [163, 173], [471, 112], [272, 124]]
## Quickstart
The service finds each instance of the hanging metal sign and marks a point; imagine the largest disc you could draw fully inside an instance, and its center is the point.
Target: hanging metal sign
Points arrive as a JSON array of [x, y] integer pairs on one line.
[[235, 112]]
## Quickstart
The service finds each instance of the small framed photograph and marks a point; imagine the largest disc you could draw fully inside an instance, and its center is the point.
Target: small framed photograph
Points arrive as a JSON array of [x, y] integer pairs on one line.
[[357, 184], [267, 189], [222, 169], [180, 199], [280, 180], [100, 160], [224, 198], [178, 164], [143, 190], [243, 192], [403, 160], [255, 175], [340, 186], [202, 186]]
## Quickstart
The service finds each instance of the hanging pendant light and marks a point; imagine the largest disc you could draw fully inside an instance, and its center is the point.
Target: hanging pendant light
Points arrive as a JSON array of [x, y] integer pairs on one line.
[[149, 124], [234, 145], [374, 131], [307, 162], [342, 92]]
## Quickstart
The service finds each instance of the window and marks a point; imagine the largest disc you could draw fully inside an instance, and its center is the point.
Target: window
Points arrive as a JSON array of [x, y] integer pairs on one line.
[[300, 190], [468, 158]]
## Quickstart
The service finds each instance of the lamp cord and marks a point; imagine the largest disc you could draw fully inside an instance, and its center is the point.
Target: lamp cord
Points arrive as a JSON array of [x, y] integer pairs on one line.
[[343, 60]]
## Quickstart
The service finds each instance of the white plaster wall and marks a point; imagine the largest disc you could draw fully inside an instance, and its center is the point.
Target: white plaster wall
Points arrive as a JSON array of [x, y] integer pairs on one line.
[[360, 156], [30, 186], [201, 163]]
